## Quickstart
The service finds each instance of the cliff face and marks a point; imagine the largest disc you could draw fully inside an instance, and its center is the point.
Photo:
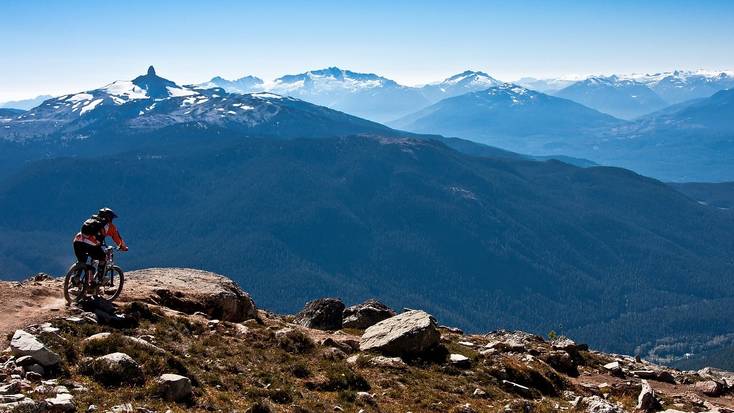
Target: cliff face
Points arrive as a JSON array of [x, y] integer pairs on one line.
[[188, 340]]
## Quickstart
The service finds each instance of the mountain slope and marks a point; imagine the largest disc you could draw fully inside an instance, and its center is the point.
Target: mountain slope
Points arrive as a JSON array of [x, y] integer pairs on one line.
[[625, 99], [482, 243], [7, 115], [691, 141], [508, 116]]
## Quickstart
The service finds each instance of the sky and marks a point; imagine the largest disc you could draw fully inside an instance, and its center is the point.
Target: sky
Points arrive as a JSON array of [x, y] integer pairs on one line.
[[56, 47]]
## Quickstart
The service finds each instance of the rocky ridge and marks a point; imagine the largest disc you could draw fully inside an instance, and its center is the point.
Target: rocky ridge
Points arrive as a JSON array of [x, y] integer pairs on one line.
[[188, 340]]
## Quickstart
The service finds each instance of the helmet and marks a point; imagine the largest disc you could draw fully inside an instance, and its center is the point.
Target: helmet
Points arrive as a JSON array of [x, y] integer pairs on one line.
[[107, 214]]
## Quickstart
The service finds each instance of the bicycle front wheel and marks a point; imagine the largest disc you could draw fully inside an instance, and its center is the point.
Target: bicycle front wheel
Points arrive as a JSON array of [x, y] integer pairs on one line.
[[110, 286]]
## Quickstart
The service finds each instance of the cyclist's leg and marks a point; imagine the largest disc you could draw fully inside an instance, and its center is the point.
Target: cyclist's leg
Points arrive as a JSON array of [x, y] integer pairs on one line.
[[97, 254], [80, 251]]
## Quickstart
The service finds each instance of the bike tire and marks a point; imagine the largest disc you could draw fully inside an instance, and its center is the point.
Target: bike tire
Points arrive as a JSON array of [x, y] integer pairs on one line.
[[120, 282], [73, 270]]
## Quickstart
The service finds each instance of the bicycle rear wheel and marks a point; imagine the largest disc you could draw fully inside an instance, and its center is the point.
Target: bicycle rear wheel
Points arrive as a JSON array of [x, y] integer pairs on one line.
[[75, 282]]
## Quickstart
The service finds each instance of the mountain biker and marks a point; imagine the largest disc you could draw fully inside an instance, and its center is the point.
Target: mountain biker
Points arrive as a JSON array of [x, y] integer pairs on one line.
[[88, 242]]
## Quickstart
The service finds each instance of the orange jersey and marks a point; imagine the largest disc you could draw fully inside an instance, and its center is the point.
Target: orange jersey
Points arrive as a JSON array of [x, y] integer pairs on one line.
[[110, 230]]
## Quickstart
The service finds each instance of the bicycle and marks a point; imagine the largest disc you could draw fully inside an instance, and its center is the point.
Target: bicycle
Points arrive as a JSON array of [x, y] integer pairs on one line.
[[83, 279]]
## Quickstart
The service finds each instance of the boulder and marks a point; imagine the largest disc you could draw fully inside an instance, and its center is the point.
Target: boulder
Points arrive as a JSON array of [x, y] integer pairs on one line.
[[26, 344], [116, 368], [322, 314], [561, 361], [710, 388], [215, 295], [408, 334], [647, 401], [367, 314], [657, 375], [173, 387]]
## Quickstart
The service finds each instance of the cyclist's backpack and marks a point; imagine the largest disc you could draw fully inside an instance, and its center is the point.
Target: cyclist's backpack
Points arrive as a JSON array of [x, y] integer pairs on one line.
[[92, 227]]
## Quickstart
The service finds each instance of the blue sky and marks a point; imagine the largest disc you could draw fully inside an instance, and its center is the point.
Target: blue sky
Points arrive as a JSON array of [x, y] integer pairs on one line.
[[62, 46]]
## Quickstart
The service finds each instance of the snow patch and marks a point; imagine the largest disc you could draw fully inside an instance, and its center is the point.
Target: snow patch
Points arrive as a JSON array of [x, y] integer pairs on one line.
[[90, 106]]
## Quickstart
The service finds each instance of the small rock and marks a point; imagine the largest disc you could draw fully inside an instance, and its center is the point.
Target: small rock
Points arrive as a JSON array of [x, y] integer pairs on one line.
[[24, 361], [367, 314], [460, 361], [11, 398], [322, 314], [365, 398], [452, 330], [10, 388], [33, 376], [596, 404], [614, 368], [63, 402], [333, 354], [464, 408], [174, 387], [25, 344], [36, 368], [479, 393], [330, 342]]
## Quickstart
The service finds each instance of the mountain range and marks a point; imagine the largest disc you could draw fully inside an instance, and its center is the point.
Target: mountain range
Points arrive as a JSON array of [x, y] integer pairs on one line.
[[363, 94], [296, 200], [622, 98]]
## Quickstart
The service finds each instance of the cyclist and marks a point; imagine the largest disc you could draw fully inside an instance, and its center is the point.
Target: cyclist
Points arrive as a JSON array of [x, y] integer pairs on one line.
[[88, 242]]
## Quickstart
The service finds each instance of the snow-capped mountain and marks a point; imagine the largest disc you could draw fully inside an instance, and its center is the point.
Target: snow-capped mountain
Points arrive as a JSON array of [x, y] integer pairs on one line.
[[150, 102], [365, 95], [623, 98], [681, 85], [246, 84], [468, 81], [501, 114], [548, 85]]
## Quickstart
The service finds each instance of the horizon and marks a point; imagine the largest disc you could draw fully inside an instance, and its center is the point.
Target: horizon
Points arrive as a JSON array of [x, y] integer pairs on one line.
[[405, 43]]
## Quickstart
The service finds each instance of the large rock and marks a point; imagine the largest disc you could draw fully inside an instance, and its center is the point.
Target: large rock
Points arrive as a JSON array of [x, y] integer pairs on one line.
[[366, 315], [173, 387], [407, 334], [26, 344], [710, 388], [647, 401], [116, 368], [189, 291], [322, 314]]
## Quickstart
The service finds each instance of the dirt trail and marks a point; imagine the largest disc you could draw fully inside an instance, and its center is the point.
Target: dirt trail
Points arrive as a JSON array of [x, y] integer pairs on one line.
[[27, 303]]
